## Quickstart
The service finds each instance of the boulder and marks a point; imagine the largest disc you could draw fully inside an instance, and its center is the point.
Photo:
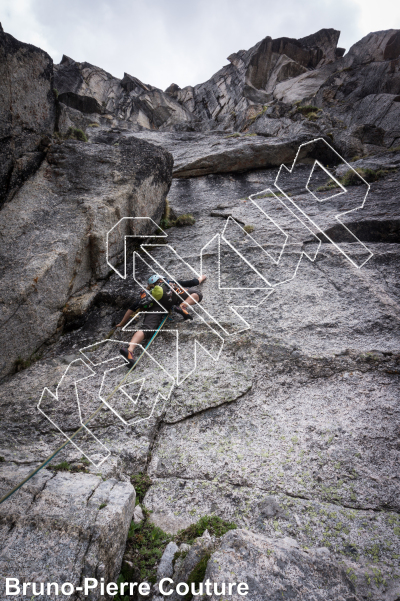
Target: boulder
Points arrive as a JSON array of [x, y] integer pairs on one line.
[[27, 111], [377, 46], [199, 154], [184, 566], [165, 568], [63, 527], [276, 568], [78, 194], [302, 87]]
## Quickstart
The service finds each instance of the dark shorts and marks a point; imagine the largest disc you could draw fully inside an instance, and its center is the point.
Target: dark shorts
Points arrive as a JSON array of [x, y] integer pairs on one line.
[[190, 291], [151, 322]]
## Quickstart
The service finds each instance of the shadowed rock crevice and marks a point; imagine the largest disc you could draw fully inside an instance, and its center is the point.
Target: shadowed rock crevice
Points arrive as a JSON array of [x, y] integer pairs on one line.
[[27, 107], [387, 231]]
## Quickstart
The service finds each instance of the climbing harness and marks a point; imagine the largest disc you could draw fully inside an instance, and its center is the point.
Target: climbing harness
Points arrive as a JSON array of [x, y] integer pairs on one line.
[[36, 470]]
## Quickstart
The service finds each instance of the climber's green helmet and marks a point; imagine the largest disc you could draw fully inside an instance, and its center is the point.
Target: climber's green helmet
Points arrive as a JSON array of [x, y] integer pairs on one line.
[[157, 292]]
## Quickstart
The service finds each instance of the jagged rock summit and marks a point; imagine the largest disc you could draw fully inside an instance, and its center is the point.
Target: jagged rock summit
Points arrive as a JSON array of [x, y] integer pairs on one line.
[[223, 101], [276, 95], [263, 86]]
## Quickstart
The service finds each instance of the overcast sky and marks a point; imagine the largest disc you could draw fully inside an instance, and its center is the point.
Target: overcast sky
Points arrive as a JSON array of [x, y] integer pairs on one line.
[[181, 41]]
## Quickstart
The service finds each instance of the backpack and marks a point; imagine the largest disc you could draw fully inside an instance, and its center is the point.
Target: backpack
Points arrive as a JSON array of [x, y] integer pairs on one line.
[[168, 299]]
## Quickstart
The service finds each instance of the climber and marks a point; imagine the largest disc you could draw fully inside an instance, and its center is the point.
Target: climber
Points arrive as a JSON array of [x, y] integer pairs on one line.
[[164, 294]]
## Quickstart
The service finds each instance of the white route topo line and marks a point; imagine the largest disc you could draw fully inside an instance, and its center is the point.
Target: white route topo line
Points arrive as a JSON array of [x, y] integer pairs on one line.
[[199, 310]]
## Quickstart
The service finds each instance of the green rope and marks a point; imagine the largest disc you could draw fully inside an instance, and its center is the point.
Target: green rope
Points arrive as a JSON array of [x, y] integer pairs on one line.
[[36, 470]]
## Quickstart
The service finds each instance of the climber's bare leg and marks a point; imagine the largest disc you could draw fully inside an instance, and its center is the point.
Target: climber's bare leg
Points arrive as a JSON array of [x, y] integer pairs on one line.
[[191, 300], [137, 338]]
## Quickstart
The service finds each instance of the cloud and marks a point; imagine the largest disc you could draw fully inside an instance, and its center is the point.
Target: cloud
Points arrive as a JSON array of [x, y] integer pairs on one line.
[[176, 41], [377, 16], [18, 18]]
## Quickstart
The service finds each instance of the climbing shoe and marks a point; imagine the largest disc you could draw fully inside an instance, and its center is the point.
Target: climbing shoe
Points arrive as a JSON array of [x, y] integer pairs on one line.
[[185, 314], [128, 356]]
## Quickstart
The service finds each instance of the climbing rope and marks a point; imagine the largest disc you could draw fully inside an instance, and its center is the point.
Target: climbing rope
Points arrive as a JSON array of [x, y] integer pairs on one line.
[[36, 470]]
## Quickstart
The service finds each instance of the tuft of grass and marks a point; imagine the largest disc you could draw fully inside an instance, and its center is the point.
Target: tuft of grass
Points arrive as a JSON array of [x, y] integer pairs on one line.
[[21, 364], [308, 109], [145, 546], [1, 459], [267, 195], [102, 505], [79, 468], [56, 93], [141, 483], [168, 221], [330, 185], [312, 116], [370, 175], [214, 524], [93, 125], [64, 466], [248, 229], [186, 219], [235, 135], [74, 133], [196, 576], [146, 543], [350, 178]]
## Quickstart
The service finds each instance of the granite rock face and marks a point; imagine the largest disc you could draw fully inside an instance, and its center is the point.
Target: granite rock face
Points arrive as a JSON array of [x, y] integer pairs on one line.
[[364, 90], [286, 418], [77, 195], [27, 111], [292, 434]]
